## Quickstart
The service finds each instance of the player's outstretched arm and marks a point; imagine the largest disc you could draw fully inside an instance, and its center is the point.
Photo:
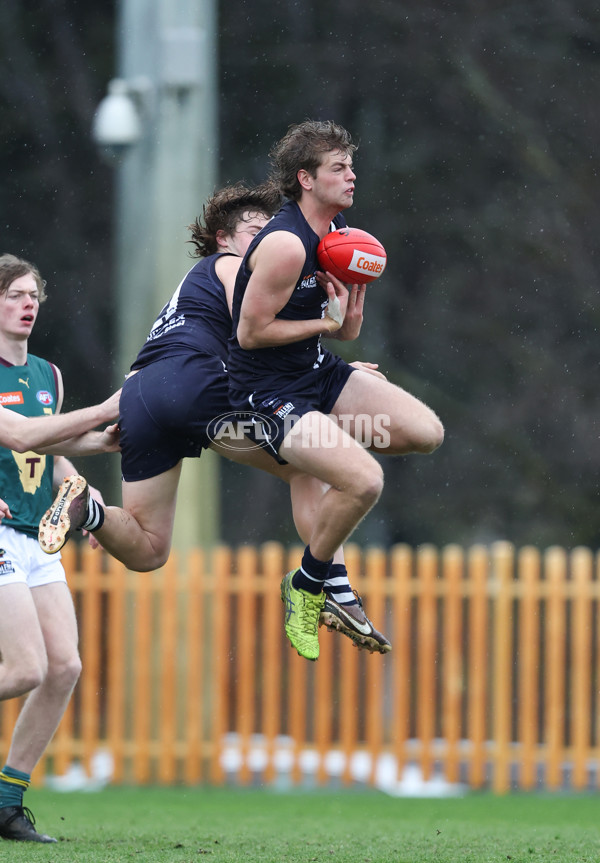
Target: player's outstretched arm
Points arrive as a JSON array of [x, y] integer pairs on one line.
[[89, 443], [22, 434]]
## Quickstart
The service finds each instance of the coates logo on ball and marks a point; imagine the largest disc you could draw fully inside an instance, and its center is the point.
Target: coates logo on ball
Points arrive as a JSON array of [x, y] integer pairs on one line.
[[354, 256]]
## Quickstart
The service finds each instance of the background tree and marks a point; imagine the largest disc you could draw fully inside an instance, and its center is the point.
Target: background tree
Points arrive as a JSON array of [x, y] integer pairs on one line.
[[477, 169]]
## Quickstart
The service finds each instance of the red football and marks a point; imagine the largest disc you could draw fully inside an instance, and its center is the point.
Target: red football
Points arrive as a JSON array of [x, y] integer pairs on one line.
[[354, 256]]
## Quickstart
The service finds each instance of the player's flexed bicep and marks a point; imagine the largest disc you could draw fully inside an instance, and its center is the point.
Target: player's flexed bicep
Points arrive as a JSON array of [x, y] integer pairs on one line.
[[276, 266]]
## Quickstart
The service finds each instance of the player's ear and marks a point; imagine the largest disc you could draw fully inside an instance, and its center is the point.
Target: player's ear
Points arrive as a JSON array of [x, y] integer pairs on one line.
[[221, 238], [304, 178]]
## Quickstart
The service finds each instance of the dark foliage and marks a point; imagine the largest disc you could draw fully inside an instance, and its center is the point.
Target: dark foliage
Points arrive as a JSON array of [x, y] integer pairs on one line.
[[477, 169]]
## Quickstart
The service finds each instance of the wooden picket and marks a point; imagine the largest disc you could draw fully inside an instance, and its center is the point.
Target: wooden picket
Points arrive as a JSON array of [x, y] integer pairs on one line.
[[188, 678]]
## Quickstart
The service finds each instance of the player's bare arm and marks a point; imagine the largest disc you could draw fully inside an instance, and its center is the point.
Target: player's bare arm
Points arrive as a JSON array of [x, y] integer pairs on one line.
[[22, 434], [276, 267], [89, 443]]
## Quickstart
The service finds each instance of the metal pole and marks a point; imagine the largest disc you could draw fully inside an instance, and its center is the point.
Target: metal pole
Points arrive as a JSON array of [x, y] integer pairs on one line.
[[162, 183]]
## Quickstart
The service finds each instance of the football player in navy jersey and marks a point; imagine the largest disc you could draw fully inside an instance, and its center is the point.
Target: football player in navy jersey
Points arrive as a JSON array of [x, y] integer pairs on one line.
[[313, 401], [177, 387]]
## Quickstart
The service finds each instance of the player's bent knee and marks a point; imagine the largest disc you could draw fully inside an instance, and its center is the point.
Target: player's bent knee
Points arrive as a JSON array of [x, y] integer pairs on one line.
[[145, 556], [424, 437], [74, 670], [149, 562], [30, 678], [371, 486], [423, 433], [434, 436], [161, 556], [64, 675]]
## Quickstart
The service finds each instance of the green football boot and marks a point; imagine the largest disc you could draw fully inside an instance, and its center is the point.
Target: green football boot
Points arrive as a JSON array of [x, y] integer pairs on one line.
[[302, 612]]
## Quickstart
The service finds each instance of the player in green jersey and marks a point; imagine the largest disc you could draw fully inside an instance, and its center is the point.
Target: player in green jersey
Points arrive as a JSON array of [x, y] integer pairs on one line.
[[38, 630]]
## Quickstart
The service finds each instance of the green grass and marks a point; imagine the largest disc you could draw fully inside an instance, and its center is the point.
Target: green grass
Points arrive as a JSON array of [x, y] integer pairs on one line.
[[225, 825]]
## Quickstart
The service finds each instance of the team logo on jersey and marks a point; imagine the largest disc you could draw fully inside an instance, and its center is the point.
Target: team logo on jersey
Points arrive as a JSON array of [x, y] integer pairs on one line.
[[227, 430], [7, 567], [283, 410], [44, 397], [11, 399], [308, 281]]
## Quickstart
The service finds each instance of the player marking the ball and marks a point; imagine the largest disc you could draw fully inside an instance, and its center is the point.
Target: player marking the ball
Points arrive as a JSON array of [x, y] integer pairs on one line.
[[282, 308]]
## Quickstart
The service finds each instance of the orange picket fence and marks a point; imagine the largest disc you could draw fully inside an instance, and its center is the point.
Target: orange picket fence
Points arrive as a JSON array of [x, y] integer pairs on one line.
[[492, 681]]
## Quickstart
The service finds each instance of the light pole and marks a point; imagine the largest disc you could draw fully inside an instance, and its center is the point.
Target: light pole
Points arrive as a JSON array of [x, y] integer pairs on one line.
[[158, 122]]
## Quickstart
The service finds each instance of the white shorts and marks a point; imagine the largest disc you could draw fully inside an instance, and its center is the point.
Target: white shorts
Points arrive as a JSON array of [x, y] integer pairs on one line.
[[22, 561]]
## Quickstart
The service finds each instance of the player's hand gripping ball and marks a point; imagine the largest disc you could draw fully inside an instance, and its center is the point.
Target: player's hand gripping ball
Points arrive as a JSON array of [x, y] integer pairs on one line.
[[354, 256]]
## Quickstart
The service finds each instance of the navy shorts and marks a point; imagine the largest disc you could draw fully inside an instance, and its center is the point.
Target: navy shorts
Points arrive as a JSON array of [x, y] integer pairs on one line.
[[168, 410], [290, 398]]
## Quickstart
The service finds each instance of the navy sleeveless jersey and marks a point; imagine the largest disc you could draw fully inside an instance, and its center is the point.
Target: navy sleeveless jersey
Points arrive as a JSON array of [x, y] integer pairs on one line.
[[195, 320], [308, 301]]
